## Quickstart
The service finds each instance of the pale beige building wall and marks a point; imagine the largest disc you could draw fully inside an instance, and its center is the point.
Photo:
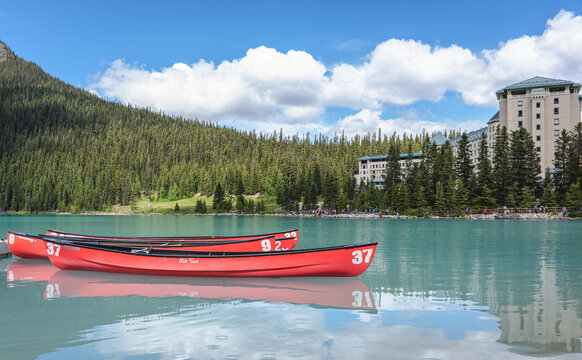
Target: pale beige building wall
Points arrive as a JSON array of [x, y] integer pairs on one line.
[[543, 113]]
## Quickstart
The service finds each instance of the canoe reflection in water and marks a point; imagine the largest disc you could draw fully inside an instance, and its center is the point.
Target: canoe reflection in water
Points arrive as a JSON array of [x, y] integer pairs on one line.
[[29, 270], [349, 293]]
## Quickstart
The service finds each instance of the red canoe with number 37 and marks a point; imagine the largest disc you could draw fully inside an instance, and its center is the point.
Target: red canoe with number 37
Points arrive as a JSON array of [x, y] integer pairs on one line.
[[343, 261], [33, 247]]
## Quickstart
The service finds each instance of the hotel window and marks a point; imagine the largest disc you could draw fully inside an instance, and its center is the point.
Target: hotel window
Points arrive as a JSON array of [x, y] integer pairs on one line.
[[520, 113], [538, 104], [539, 149], [556, 132], [538, 138], [556, 101], [555, 144], [538, 127], [519, 102], [538, 116], [556, 111], [519, 124], [556, 121]]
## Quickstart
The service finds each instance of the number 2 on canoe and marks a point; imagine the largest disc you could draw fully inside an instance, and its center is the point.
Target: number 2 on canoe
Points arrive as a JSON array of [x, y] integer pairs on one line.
[[358, 257], [53, 249], [266, 244]]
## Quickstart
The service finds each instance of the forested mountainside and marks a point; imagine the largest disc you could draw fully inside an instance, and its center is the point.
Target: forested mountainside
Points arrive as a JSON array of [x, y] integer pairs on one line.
[[65, 149]]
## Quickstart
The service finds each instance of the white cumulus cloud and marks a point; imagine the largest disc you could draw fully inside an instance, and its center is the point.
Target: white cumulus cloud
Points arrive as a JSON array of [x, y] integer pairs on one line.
[[269, 89], [369, 121]]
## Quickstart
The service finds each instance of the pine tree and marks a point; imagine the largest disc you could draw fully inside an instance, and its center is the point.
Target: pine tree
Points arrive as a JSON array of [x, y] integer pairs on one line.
[[524, 161], [393, 173], [501, 167], [485, 176], [462, 195], [548, 197], [463, 164], [528, 200], [218, 197], [440, 201], [573, 199], [560, 161]]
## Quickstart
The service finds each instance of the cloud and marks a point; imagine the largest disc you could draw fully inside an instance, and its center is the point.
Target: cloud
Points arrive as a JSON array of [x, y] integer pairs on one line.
[[270, 89], [263, 84], [369, 121]]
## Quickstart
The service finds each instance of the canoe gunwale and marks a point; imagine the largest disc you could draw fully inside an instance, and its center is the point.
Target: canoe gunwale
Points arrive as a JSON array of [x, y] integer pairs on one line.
[[201, 237], [172, 253], [155, 242]]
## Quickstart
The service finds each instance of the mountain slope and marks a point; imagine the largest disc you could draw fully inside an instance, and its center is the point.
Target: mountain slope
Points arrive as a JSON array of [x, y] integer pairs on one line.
[[63, 148]]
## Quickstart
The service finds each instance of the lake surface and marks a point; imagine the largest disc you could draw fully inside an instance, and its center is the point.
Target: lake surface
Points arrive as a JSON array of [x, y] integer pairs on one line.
[[436, 289]]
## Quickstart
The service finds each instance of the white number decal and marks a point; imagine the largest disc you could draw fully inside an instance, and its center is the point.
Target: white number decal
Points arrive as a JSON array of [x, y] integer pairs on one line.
[[266, 244], [358, 256], [52, 291], [11, 239], [291, 234], [359, 296], [369, 253], [53, 249], [277, 246]]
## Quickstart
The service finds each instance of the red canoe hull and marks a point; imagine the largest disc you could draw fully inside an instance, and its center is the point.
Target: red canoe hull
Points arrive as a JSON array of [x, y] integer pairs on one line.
[[342, 261], [33, 247], [328, 292], [28, 247]]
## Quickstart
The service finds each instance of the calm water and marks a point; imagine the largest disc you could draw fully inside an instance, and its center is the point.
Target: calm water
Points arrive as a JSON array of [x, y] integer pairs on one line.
[[439, 289]]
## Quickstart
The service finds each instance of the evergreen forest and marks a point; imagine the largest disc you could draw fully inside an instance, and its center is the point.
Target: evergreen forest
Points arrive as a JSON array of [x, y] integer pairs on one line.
[[63, 149]]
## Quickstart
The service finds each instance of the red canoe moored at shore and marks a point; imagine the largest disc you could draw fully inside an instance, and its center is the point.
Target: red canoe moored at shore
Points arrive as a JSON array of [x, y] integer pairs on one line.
[[26, 246], [281, 235], [343, 261], [32, 246]]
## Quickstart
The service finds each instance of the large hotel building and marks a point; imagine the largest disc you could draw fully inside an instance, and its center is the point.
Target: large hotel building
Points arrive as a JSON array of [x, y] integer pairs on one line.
[[543, 106]]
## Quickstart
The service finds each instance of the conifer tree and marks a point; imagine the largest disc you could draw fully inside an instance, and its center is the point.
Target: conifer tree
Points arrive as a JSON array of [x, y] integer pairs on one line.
[[560, 161], [393, 173], [524, 161], [573, 199], [548, 197], [218, 197], [501, 167], [463, 164], [440, 201], [485, 176]]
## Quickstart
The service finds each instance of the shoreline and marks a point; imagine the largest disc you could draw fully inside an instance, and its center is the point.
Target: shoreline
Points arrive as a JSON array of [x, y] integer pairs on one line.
[[494, 216]]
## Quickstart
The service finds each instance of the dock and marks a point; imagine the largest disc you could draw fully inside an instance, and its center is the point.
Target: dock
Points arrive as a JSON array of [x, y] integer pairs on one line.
[[4, 250]]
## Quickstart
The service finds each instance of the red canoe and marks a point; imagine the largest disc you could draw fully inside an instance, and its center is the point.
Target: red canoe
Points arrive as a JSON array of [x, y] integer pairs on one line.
[[344, 261], [281, 235], [32, 246], [348, 293]]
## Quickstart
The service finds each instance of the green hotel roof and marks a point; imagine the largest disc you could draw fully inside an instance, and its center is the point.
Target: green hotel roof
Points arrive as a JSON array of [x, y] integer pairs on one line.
[[537, 82]]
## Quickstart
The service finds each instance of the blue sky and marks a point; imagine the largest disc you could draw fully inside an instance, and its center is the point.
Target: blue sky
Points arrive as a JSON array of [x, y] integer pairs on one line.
[[304, 66]]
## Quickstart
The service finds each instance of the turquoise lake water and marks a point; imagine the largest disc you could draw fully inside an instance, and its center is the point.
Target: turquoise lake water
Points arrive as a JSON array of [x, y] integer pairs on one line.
[[436, 289]]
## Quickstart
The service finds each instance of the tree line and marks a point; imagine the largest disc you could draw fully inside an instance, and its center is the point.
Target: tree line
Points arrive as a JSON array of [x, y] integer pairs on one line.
[[65, 149], [448, 184]]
